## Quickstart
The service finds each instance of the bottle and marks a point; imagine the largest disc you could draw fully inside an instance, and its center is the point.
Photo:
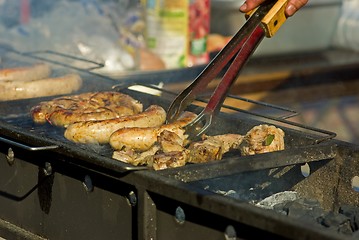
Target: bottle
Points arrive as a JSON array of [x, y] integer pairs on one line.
[[177, 31]]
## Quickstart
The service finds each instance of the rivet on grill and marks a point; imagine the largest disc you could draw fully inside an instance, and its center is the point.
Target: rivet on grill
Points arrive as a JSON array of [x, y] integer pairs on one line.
[[355, 183], [180, 216], [48, 169], [87, 183], [10, 156], [305, 169], [132, 198], [230, 233]]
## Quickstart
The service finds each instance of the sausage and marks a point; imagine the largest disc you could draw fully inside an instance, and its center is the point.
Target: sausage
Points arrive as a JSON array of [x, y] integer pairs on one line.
[[13, 90], [85, 107], [141, 139], [100, 131], [37, 71]]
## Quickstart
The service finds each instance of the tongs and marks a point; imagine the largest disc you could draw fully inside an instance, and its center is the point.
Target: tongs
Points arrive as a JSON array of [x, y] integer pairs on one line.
[[261, 22]]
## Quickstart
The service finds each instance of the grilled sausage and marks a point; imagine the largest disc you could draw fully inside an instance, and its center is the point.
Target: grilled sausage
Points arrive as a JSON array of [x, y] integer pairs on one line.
[[12, 90], [141, 139], [37, 71], [100, 131], [85, 107]]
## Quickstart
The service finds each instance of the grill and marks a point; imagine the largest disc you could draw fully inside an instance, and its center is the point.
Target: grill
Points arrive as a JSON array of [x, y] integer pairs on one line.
[[55, 189]]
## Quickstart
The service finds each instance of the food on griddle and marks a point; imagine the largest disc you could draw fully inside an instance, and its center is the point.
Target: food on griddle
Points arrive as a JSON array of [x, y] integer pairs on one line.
[[212, 148], [91, 106], [141, 139], [99, 131], [14, 90], [29, 73], [167, 151], [136, 158], [170, 149], [262, 139], [162, 161]]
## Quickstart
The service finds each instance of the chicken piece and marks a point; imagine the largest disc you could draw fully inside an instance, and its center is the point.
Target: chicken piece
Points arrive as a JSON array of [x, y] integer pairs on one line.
[[205, 151], [212, 148], [126, 157], [230, 141], [142, 138], [131, 157], [170, 160], [262, 139], [170, 142]]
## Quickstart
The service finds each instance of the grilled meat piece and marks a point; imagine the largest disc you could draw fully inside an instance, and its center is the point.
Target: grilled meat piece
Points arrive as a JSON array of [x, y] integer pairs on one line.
[[28, 73], [205, 151], [169, 160], [134, 158], [166, 152], [170, 142], [14, 90], [262, 139], [141, 139], [212, 148], [230, 141], [100, 131], [85, 107]]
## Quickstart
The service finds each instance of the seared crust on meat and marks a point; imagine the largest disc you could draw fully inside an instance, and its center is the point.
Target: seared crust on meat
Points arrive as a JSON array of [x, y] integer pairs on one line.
[[100, 131], [169, 151], [85, 107], [141, 139], [262, 139]]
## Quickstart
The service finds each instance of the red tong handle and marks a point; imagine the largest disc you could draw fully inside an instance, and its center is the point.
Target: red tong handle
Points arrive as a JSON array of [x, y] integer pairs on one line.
[[233, 71]]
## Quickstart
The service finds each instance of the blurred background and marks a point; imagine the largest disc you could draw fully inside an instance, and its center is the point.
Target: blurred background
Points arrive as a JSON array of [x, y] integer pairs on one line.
[[311, 65]]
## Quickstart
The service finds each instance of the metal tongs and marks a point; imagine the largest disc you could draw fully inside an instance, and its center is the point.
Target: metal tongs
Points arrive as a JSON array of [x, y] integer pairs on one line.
[[263, 21]]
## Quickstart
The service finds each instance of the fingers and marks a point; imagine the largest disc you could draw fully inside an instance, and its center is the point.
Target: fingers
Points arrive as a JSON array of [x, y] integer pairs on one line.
[[292, 7], [250, 5]]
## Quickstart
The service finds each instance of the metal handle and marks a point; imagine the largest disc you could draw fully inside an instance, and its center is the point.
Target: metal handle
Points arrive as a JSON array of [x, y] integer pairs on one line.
[[26, 147], [36, 54]]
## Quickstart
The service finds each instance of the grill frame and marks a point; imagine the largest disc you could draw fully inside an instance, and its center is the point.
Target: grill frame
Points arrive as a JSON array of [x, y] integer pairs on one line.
[[149, 199]]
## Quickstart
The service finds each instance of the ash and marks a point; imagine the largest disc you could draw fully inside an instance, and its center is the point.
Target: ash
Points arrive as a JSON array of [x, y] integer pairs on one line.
[[288, 203]]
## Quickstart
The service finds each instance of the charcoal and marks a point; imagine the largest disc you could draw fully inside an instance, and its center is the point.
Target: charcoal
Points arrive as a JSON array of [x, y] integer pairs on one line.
[[345, 221], [355, 235], [303, 208], [335, 221], [353, 213]]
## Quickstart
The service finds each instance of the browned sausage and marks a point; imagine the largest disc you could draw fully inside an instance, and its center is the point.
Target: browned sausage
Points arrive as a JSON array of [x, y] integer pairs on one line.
[[141, 139], [13, 90], [100, 131], [85, 107], [37, 71]]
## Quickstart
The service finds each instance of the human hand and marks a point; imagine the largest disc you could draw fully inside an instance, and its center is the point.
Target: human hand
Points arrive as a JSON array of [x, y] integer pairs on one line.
[[292, 7]]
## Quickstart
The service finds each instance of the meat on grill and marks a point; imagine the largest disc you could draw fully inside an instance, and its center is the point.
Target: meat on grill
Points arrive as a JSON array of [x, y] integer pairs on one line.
[[91, 106], [169, 151], [262, 139], [141, 139], [28, 73], [100, 131]]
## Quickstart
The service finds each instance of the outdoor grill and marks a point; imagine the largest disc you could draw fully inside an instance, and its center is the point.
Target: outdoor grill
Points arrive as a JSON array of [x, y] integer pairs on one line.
[[52, 188]]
